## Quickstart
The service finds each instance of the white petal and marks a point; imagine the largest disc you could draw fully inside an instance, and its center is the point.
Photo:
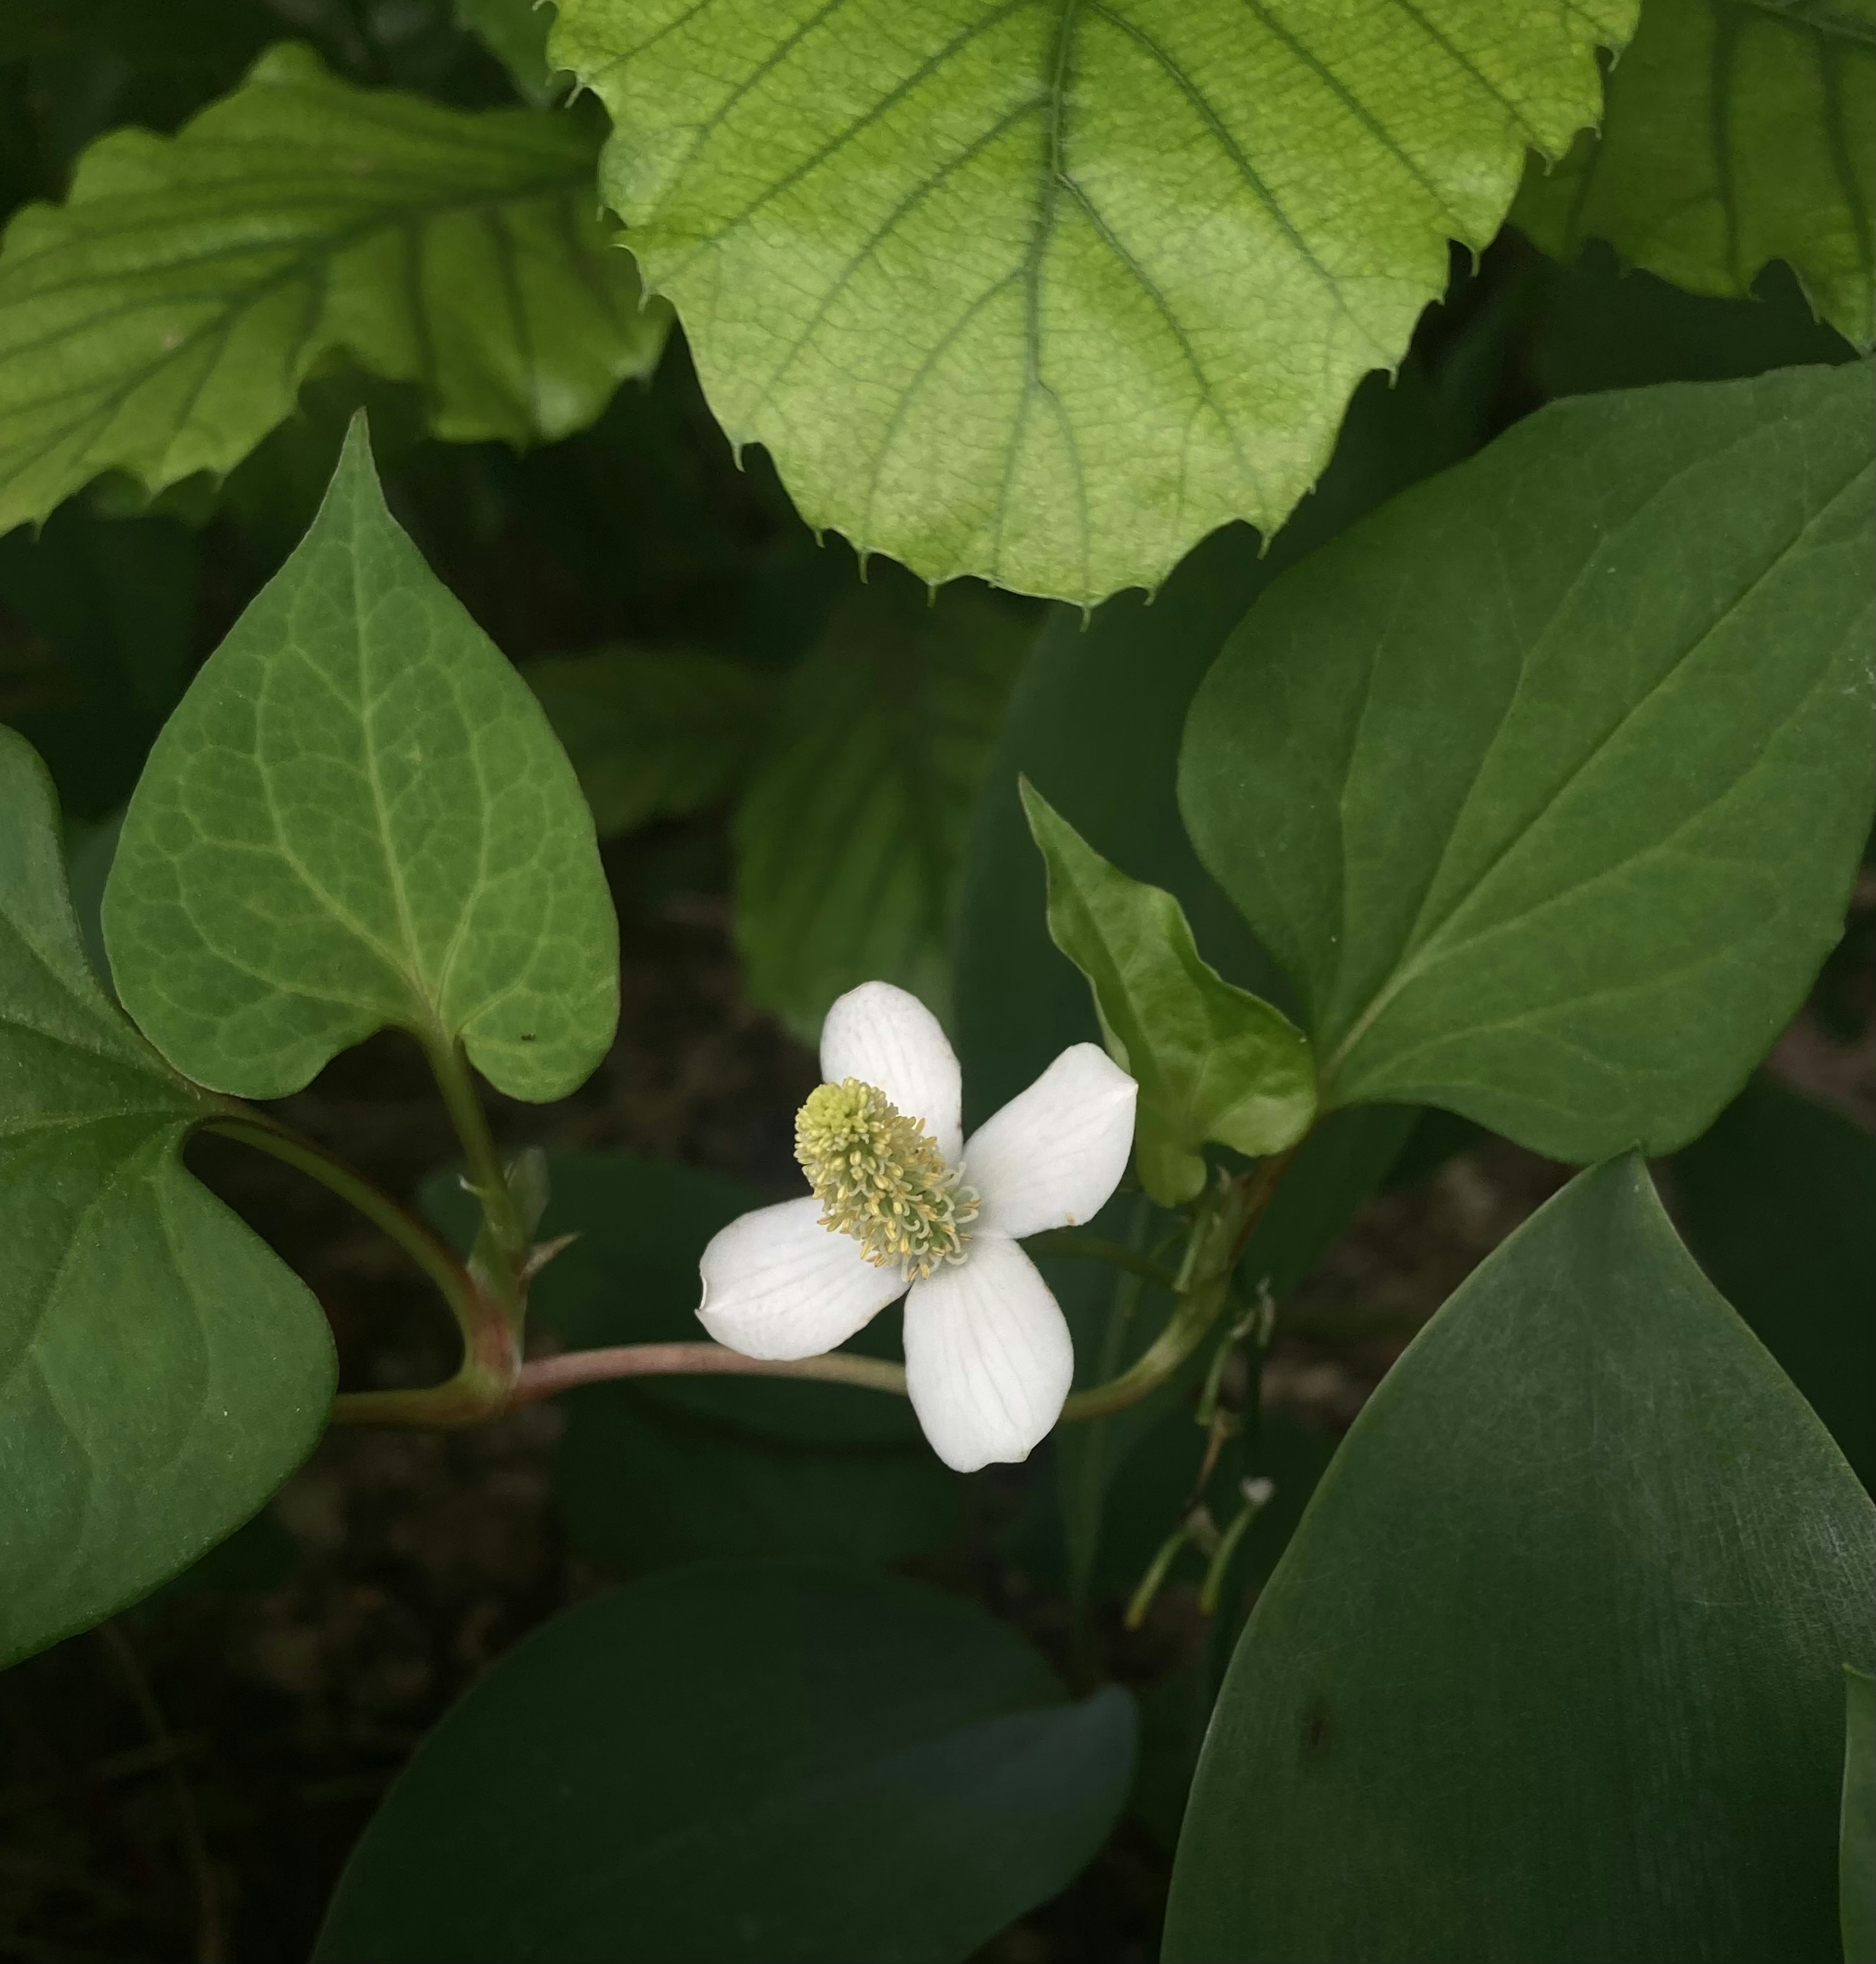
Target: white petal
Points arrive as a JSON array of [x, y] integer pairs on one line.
[[1054, 1153], [989, 1359], [889, 1039], [778, 1284]]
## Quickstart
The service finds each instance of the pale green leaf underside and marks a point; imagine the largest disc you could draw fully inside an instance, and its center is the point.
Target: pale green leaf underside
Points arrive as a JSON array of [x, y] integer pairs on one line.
[[358, 816], [160, 1372], [1045, 290], [652, 732], [161, 321], [850, 840], [1212, 1062], [1736, 134], [1547, 782]]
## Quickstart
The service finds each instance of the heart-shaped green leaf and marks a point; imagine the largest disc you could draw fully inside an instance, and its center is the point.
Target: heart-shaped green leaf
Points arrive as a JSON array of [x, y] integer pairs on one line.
[[161, 321], [778, 1763], [1046, 292], [1212, 1062], [160, 1372], [358, 816], [1548, 781], [1738, 132], [1551, 1668]]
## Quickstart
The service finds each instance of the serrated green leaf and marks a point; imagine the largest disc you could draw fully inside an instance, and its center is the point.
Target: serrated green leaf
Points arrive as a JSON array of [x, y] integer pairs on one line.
[[1548, 781], [161, 321], [1856, 1837], [1737, 132], [772, 1763], [1213, 1062], [654, 732], [358, 816], [850, 839], [1045, 292], [1551, 1669], [160, 1372]]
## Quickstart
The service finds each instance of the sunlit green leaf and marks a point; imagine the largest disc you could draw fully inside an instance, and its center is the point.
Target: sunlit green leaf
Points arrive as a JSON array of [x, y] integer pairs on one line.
[[850, 839], [358, 816], [161, 321], [1046, 292], [1213, 1062], [1547, 782], [654, 732], [1738, 132], [757, 1763], [1552, 1667], [160, 1372]]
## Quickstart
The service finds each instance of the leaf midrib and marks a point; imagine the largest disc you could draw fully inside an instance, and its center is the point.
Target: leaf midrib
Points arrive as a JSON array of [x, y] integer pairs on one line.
[[1417, 961]]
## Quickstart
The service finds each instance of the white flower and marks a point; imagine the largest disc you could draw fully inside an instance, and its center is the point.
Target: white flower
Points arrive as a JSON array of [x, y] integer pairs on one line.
[[900, 1202]]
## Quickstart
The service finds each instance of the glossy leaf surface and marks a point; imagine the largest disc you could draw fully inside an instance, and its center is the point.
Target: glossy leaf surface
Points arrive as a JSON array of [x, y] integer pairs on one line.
[[775, 1762], [1586, 1512], [358, 816], [161, 321], [1046, 292], [850, 839], [1547, 782], [1738, 132], [161, 1372], [654, 732], [1775, 1202], [1213, 1062]]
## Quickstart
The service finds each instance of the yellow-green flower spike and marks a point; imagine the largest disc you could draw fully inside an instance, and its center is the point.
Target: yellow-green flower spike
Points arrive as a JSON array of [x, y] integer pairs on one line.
[[880, 1177]]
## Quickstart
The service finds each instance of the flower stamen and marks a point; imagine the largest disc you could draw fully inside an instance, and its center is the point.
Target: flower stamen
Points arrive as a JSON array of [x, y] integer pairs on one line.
[[880, 1177]]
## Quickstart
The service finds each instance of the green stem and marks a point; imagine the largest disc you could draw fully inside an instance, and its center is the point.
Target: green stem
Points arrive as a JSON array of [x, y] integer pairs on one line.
[[1091, 1248], [1221, 1226], [1213, 1586], [547, 1376], [488, 1178], [491, 1360]]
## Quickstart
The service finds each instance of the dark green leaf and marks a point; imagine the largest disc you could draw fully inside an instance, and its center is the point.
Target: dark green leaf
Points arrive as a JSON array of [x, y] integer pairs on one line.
[[160, 1372], [1547, 782], [787, 1764], [1046, 294], [1213, 1062], [1600, 327], [1856, 1843], [1775, 1202], [1737, 132], [161, 321], [1095, 721], [850, 840], [358, 816], [105, 614], [1551, 1669], [653, 734]]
